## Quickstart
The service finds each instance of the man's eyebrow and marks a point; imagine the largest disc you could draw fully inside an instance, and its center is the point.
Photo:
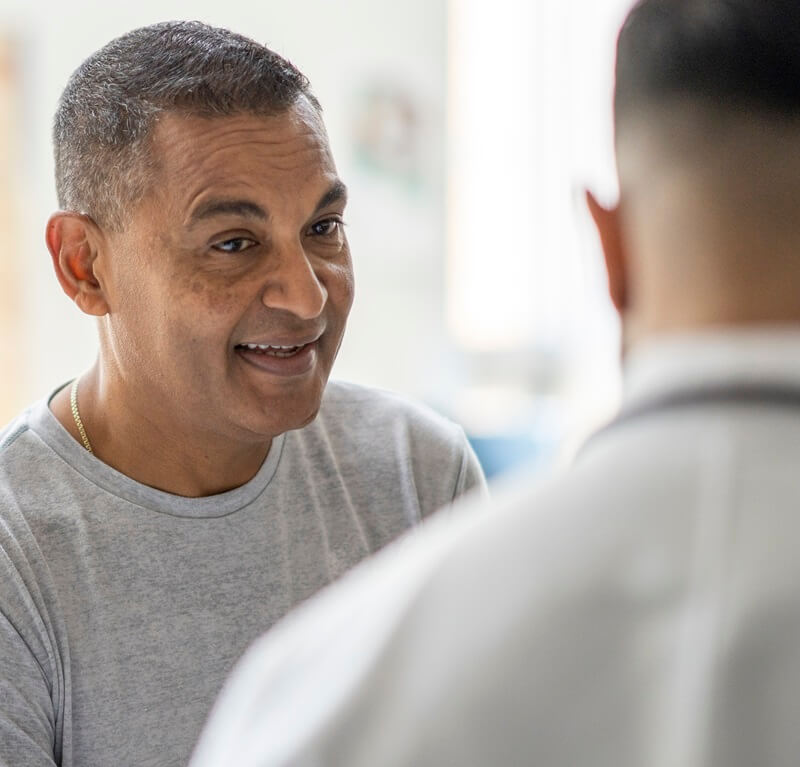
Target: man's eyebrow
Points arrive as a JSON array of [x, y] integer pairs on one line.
[[226, 207], [337, 192]]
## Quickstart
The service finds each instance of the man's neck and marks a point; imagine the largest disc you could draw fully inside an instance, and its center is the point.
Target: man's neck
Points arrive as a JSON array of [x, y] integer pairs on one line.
[[172, 459]]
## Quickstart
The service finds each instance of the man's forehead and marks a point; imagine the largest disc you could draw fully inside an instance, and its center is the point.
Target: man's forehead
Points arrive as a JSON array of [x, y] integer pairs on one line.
[[191, 153], [181, 131]]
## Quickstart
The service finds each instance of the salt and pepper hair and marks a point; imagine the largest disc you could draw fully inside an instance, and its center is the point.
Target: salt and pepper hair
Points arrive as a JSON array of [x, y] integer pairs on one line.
[[105, 118], [736, 55]]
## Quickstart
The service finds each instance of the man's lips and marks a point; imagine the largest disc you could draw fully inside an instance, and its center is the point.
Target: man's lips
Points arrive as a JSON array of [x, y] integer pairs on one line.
[[280, 344], [281, 359], [273, 350]]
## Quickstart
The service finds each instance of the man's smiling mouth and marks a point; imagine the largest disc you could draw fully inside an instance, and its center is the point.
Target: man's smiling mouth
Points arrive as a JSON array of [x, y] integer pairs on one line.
[[273, 350]]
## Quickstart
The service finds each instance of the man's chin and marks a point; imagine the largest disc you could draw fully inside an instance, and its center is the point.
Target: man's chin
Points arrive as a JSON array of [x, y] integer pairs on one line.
[[268, 426]]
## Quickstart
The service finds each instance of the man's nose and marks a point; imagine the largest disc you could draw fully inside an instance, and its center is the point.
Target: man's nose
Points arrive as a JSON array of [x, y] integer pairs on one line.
[[293, 285]]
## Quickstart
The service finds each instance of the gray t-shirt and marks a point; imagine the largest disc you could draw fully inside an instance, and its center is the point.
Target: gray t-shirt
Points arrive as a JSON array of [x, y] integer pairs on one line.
[[122, 608]]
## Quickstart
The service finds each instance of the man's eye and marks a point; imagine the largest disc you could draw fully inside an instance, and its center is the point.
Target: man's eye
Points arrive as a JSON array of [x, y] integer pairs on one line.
[[234, 245], [327, 227]]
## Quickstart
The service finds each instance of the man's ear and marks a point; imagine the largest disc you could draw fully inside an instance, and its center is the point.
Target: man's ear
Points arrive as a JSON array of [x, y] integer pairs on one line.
[[607, 221], [73, 240]]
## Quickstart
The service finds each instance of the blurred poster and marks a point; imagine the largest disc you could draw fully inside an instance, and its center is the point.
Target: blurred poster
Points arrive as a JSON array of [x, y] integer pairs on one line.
[[387, 134]]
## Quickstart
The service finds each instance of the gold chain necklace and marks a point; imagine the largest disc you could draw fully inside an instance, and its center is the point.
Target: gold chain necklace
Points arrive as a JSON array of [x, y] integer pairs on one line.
[[73, 399]]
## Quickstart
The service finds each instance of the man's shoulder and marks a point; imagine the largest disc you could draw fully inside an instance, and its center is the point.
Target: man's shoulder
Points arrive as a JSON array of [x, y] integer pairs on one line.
[[14, 436], [21, 481], [26, 457], [399, 443], [11, 432], [369, 409]]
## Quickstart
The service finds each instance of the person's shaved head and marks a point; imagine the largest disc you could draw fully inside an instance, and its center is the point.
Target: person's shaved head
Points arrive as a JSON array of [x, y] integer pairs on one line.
[[733, 54], [707, 128]]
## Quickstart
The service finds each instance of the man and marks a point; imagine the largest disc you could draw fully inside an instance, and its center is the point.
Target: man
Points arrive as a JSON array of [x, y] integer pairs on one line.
[[165, 508], [644, 609]]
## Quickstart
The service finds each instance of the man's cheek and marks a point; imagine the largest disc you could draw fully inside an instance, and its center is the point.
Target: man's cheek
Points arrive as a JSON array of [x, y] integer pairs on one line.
[[218, 297]]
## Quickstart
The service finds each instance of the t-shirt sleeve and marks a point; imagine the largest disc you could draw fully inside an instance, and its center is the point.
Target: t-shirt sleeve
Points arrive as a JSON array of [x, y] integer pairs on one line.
[[27, 721], [26, 731], [470, 475]]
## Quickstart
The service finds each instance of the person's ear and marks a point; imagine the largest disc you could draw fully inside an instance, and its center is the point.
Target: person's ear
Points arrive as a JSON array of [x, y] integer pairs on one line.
[[73, 240], [607, 221]]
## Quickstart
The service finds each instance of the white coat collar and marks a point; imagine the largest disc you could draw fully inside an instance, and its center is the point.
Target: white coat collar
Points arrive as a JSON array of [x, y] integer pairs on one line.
[[750, 357]]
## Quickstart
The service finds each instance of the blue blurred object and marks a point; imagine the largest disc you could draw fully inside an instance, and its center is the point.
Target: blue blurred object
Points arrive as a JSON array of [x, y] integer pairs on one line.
[[504, 452]]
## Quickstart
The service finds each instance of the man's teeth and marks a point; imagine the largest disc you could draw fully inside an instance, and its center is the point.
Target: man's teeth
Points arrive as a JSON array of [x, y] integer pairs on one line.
[[274, 350], [266, 347]]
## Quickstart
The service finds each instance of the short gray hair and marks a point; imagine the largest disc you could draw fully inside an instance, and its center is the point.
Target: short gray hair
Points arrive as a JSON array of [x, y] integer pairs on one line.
[[106, 114]]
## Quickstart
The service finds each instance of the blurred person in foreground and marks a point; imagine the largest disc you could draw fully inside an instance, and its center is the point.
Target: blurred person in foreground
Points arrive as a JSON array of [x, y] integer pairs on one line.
[[162, 510], [644, 609]]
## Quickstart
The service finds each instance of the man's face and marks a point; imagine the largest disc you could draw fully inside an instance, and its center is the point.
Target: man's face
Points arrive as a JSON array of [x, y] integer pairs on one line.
[[230, 286]]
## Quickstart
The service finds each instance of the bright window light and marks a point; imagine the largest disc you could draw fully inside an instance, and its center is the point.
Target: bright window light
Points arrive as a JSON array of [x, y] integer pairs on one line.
[[528, 127]]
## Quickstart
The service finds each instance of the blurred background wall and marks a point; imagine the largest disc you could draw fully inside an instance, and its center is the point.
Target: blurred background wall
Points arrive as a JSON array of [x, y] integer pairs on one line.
[[466, 131]]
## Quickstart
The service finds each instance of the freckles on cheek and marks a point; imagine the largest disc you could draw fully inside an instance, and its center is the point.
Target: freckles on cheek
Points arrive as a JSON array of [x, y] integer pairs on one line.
[[212, 298]]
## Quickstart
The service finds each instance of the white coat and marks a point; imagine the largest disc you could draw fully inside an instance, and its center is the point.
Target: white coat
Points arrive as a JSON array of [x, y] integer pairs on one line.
[[642, 610]]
